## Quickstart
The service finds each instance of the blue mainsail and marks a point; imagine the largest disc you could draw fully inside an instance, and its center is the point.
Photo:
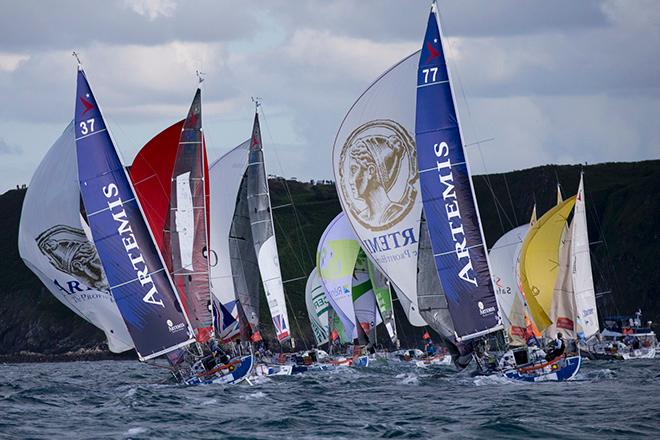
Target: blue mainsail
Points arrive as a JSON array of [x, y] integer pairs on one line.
[[449, 205], [138, 279]]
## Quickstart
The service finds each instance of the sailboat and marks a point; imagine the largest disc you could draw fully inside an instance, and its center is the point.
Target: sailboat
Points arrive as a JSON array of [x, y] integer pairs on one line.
[[243, 246], [141, 282]]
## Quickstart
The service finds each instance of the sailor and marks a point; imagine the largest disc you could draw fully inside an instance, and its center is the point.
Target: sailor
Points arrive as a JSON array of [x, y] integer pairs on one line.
[[429, 348], [558, 348]]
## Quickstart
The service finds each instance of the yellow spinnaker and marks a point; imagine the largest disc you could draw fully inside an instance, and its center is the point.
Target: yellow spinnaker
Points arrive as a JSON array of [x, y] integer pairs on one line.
[[539, 259]]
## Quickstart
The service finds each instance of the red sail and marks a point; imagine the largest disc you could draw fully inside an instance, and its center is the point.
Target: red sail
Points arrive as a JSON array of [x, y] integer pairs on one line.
[[151, 174]]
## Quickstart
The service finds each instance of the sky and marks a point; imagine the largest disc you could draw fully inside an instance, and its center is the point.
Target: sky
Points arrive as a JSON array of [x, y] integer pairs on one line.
[[549, 82]]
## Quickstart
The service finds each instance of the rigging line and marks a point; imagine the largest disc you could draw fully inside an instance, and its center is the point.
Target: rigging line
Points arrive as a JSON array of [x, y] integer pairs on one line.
[[288, 242], [513, 208], [478, 144], [286, 187], [295, 319]]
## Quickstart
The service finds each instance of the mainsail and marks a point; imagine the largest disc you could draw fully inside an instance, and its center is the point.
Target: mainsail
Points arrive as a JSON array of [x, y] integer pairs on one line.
[[226, 175], [450, 207], [263, 234], [133, 264], [539, 259], [377, 181], [583, 283], [187, 227], [317, 307], [335, 259], [384, 300], [53, 244]]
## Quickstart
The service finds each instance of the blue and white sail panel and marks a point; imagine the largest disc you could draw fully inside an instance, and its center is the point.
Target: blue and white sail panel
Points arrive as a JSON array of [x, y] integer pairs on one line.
[[133, 265], [449, 205]]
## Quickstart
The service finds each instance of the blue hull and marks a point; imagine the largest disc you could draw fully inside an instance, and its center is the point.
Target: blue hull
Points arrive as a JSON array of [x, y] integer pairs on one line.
[[564, 369], [235, 374], [361, 362]]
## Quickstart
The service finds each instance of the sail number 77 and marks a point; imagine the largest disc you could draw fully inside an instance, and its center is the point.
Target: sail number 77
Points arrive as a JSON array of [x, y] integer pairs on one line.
[[433, 71], [87, 126]]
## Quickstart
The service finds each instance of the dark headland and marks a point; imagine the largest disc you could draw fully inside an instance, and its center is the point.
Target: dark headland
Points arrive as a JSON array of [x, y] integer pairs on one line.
[[623, 206]]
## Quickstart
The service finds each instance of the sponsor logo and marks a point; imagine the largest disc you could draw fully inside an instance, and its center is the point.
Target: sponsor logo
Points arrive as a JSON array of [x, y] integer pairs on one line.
[[484, 311], [173, 328], [453, 213], [68, 250], [125, 231], [377, 172]]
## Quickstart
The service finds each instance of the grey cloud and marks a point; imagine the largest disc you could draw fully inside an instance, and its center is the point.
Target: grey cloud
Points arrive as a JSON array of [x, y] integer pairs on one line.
[[6, 148]]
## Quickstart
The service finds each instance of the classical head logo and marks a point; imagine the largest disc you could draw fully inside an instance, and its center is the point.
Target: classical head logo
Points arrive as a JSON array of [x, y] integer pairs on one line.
[[377, 172], [69, 251]]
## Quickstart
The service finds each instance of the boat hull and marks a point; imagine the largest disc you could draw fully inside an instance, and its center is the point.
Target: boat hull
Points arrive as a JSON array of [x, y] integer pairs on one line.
[[239, 370], [556, 371]]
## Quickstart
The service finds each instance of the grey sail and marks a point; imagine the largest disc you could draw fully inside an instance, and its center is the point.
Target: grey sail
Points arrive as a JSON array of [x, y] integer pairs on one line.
[[244, 267], [263, 234], [431, 297]]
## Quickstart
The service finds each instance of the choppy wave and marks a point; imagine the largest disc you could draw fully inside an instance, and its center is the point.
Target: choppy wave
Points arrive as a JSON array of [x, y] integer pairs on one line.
[[389, 400]]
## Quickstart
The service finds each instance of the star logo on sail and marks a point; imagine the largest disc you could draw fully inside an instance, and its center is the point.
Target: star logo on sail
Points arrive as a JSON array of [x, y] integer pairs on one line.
[[377, 173], [433, 52], [88, 105]]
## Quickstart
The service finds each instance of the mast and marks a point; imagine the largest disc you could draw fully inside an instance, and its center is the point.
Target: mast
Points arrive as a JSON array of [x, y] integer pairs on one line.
[[450, 207], [136, 272], [263, 233]]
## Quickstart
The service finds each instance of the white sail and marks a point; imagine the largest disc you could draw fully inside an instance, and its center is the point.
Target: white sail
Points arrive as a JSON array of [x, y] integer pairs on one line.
[[503, 259], [336, 255], [317, 307], [583, 283], [56, 248], [364, 300], [563, 313], [377, 180], [225, 176]]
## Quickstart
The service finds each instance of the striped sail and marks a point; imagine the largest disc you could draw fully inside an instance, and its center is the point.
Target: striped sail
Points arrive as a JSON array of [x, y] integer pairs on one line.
[[136, 273], [317, 307], [449, 204]]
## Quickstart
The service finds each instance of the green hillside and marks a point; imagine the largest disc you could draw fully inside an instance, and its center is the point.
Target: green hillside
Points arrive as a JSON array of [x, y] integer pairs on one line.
[[623, 201]]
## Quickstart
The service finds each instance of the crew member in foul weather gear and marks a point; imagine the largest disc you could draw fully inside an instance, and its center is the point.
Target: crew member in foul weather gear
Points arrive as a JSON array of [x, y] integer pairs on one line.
[[558, 348]]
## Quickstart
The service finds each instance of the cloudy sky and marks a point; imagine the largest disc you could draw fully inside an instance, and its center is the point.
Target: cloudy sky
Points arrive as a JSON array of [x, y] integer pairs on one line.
[[552, 82]]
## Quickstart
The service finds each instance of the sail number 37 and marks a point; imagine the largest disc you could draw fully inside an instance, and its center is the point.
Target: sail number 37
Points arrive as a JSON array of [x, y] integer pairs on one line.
[[87, 126], [433, 71]]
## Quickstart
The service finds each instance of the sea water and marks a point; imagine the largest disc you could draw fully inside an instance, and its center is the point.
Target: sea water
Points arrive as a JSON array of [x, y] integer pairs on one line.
[[123, 399]]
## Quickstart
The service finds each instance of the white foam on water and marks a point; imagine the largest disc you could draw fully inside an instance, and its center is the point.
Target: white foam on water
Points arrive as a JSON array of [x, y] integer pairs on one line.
[[252, 396], [408, 379], [131, 392], [210, 402], [493, 380], [136, 431]]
